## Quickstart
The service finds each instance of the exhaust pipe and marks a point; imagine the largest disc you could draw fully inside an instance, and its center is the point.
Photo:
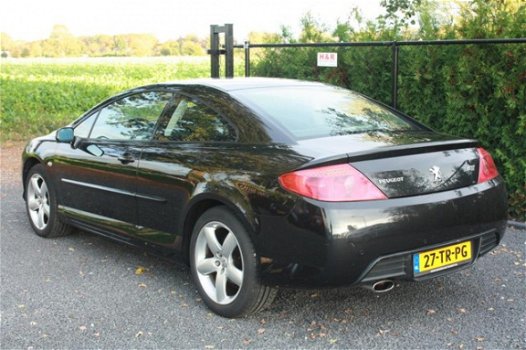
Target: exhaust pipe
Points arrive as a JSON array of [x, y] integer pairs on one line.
[[382, 286]]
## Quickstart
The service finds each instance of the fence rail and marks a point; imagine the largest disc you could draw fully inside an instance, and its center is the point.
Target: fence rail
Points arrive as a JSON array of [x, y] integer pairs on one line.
[[395, 46]]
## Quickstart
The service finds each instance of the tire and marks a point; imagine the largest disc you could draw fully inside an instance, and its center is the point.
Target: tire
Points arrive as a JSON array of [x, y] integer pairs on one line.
[[223, 266], [41, 205]]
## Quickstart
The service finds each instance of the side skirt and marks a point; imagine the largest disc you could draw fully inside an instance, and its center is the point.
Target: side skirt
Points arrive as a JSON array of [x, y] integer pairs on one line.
[[115, 230]]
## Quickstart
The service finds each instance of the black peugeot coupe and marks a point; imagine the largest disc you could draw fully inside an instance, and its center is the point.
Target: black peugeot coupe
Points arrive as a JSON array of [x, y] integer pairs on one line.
[[259, 183]]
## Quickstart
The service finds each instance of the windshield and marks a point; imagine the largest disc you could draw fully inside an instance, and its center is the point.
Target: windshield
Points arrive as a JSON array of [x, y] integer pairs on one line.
[[310, 112]]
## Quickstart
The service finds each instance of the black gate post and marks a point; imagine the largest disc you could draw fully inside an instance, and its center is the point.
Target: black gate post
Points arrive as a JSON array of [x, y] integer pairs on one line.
[[247, 58], [215, 52], [394, 75], [229, 47]]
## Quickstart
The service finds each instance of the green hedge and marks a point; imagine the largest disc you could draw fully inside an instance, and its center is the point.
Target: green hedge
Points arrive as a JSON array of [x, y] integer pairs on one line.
[[475, 91]]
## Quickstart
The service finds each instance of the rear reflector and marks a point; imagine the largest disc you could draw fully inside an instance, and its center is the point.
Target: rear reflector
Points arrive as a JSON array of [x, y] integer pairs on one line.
[[333, 183], [487, 168]]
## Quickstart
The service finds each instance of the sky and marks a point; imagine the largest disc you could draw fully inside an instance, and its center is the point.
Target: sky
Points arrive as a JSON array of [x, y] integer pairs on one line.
[[169, 19]]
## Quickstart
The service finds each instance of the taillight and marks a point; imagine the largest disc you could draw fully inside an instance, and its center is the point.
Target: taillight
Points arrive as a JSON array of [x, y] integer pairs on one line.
[[333, 183], [487, 168]]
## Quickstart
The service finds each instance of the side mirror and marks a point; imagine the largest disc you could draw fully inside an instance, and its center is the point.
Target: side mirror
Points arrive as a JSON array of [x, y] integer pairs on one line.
[[65, 135]]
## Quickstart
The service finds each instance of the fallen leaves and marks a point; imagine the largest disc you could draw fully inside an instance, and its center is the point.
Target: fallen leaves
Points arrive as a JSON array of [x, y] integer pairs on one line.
[[382, 332], [140, 270], [317, 330]]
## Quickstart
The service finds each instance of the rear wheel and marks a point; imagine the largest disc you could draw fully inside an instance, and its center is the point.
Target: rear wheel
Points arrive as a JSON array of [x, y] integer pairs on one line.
[[41, 205], [223, 265]]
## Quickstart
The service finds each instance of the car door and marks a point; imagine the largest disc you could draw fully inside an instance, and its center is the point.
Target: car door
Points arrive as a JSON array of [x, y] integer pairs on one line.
[[97, 174], [191, 134]]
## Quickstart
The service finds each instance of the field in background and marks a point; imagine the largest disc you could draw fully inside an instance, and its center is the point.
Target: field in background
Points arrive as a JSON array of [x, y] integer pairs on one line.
[[40, 95]]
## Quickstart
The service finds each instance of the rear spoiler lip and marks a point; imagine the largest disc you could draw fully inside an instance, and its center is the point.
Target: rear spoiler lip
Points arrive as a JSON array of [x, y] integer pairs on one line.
[[391, 151]]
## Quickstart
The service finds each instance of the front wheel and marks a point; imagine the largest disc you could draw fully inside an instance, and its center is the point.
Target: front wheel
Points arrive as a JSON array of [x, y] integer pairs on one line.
[[41, 205], [223, 265]]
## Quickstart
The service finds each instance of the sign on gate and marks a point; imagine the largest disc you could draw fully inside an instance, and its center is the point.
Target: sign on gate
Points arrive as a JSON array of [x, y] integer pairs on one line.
[[327, 59]]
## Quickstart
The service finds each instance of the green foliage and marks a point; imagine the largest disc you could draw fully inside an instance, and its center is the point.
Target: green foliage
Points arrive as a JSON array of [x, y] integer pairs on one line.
[[476, 91], [37, 98], [189, 45], [6, 43], [263, 37], [312, 31], [61, 43], [400, 12]]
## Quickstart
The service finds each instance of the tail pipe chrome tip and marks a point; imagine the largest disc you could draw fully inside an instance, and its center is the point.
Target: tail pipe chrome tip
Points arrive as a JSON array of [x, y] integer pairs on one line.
[[382, 286]]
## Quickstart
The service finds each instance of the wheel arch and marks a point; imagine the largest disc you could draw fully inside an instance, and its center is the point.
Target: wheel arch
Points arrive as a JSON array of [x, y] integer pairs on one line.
[[28, 164], [204, 202]]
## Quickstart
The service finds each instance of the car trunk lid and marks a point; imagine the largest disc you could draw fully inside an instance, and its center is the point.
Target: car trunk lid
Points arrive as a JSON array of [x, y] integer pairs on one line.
[[404, 164], [422, 173]]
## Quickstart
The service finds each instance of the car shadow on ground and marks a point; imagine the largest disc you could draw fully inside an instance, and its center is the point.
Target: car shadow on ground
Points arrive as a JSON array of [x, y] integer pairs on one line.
[[334, 303]]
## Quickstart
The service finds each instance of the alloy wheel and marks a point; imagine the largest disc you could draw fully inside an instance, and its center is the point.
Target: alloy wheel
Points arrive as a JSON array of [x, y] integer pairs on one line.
[[38, 201], [219, 262]]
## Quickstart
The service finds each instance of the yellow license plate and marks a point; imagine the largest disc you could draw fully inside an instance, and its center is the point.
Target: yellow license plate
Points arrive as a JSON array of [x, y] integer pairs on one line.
[[441, 258]]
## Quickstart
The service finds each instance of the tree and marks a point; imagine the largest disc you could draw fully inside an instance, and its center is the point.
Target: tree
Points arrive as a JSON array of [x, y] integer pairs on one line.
[[61, 43], [169, 48], [263, 38], [400, 13], [141, 44], [97, 45], [6, 43], [312, 31]]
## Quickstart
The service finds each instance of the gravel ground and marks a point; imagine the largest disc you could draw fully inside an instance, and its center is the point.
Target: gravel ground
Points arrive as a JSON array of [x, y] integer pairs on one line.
[[83, 291]]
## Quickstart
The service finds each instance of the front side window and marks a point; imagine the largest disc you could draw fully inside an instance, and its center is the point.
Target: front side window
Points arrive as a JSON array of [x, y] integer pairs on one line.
[[83, 129], [131, 118], [192, 121]]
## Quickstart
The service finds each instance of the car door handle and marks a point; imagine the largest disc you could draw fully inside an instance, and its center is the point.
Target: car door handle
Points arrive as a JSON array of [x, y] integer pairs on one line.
[[126, 159]]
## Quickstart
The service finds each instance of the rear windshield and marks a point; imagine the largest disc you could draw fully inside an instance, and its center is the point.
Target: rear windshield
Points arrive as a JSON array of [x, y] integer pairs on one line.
[[310, 112]]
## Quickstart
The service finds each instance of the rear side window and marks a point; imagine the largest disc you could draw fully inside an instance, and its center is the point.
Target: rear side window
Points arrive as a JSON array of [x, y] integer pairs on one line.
[[192, 121], [310, 112], [130, 118]]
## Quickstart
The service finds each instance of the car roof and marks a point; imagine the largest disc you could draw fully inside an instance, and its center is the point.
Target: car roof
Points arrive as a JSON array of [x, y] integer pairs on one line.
[[232, 84]]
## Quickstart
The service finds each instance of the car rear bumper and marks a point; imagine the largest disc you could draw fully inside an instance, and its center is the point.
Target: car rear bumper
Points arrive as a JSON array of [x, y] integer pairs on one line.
[[331, 244]]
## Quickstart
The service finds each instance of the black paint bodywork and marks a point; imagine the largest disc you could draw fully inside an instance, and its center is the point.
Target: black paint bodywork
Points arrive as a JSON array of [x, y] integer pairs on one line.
[[152, 192]]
